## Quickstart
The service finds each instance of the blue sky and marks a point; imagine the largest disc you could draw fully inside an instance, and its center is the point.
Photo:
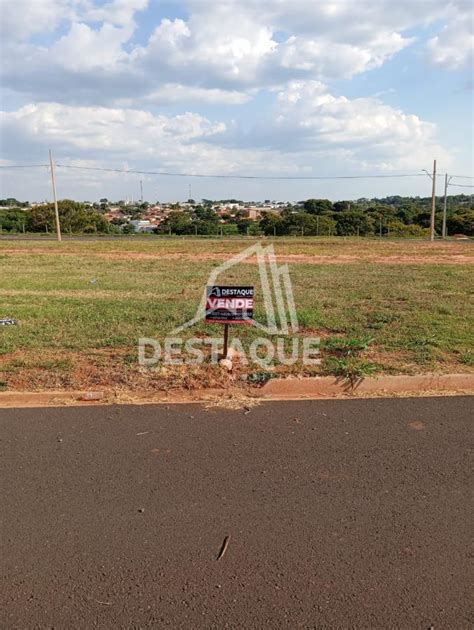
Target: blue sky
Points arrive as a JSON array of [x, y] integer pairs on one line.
[[269, 88]]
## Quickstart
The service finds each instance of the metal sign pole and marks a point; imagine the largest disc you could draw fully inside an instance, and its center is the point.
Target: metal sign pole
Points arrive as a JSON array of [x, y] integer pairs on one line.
[[226, 340]]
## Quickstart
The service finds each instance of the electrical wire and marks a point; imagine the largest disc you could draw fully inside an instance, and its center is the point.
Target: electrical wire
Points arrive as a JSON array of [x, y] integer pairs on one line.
[[22, 165], [216, 176], [251, 177]]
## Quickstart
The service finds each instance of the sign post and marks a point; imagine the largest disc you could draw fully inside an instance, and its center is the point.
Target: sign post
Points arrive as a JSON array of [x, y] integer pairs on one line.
[[226, 340], [229, 305]]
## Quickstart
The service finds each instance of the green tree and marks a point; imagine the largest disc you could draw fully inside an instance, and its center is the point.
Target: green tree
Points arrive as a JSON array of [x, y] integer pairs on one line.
[[177, 222], [73, 217], [271, 224], [341, 206], [300, 223], [12, 220], [318, 206], [325, 226], [206, 213], [128, 228], [406, 213], [351, 223], [399, 229], [461, 223]]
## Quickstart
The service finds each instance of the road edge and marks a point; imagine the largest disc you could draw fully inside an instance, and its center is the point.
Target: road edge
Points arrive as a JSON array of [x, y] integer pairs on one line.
[[324, 387]]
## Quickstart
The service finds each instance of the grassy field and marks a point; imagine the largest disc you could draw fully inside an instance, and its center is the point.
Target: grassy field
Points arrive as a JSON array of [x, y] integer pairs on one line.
[[378, 306]]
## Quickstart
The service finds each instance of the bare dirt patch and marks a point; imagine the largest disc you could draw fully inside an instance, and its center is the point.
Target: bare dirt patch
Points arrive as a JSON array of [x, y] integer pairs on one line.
[[97, 369], [446, 257]]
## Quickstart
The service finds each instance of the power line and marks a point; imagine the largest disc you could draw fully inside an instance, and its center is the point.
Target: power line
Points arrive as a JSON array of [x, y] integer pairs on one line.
[[221, 176], [23, 165], [463, 185], [217, 176]]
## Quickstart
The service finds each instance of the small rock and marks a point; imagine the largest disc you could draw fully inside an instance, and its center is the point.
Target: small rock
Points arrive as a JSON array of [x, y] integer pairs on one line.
[[226, 364], [141, 510], [92, 396]]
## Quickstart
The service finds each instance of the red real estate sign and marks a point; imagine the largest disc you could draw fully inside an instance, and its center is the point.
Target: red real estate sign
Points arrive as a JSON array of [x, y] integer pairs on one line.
[[229, 305]]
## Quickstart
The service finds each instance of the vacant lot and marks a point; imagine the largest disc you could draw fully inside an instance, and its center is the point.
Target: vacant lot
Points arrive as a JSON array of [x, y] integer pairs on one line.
[[378, 306]]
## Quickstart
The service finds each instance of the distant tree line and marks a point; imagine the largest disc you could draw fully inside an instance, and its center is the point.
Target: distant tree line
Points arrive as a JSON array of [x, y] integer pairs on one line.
[[74, 218], [394, 216]]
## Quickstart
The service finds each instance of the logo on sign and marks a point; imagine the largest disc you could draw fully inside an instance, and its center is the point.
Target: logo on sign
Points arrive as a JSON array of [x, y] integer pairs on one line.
[[229, 305]]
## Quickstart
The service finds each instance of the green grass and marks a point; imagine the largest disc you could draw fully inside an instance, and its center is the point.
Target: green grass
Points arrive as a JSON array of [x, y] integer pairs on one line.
[[372, 317]]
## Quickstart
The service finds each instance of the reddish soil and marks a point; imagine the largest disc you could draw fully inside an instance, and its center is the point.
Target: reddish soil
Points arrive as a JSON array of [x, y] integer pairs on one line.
[[448, 258]]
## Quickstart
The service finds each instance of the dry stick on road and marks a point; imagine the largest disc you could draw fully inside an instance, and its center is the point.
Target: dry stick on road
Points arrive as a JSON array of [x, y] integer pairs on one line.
[[225, 544]]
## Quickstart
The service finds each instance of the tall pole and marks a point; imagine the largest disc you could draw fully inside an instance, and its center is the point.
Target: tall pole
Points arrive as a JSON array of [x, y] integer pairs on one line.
[[445, 203], [141, 191], [56, 210], [433, 203]]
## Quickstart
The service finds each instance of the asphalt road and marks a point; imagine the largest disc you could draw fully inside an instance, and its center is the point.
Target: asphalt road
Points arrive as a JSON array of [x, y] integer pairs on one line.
[[341, 514]]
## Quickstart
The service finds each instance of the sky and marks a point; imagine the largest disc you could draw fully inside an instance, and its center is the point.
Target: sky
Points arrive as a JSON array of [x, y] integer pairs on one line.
[[269, 88]]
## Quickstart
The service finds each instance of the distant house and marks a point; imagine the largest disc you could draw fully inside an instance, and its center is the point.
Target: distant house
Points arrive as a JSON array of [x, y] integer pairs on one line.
[[142, 225], [251, 213]]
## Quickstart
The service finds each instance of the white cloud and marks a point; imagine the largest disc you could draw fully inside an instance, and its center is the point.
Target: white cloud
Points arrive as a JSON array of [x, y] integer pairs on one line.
[[226, 48], [323, 58], [362, 133], [209, 48], [309, 124], [118, 12], [174, 93], [99, 49], [270, 45], [106, 130], [114, 137], [368, 132], [23, 18], [453, 48]]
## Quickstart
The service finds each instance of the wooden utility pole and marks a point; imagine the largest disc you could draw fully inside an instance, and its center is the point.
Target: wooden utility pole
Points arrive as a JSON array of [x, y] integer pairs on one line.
[[56, 210], [445, 204], [433, 203]]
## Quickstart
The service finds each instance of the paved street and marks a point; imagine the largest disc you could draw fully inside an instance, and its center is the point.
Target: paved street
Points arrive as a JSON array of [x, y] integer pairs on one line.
[[340, 514]]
